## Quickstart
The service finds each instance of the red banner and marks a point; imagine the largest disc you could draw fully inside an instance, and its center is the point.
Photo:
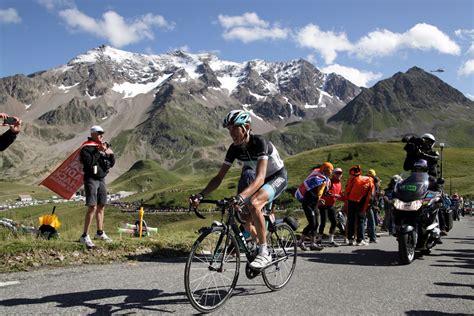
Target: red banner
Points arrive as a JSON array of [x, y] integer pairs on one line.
[[68, 177]]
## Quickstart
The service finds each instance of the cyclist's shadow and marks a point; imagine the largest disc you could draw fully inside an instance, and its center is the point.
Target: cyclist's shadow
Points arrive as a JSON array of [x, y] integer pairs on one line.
[[135, 299]]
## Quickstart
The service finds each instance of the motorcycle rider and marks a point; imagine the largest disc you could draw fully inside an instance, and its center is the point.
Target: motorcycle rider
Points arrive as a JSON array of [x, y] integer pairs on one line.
[[421, 149]]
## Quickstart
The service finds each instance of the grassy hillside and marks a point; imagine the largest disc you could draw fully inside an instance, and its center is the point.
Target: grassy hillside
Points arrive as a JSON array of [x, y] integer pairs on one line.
[[385, 158], [143, 175], [163, 188], [9, 190]]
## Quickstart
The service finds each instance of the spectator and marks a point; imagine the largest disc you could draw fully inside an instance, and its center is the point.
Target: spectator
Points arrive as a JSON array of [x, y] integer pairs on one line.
[[7, 138], [334, 192], [388, 204], [371, 218], [358, 193], [309, 193], [97, 158]]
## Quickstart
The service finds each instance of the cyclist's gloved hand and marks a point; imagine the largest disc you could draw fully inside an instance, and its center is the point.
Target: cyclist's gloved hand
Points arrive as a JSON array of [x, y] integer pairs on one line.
[[195, 199], [237, 200]]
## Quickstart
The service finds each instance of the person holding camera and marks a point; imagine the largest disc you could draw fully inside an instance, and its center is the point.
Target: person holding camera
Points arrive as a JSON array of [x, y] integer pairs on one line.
[[421, 148], [97, 158], [7, 138]]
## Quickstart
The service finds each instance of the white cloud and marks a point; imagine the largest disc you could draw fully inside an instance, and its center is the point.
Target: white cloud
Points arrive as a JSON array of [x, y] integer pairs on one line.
[[247, 34], [249, 28], [465, 34], [422, 36], [247, 19], [470, 96], [467, 68], [8, 16], [53, 5], [311, 58], [358, 77], [113, 27], [470, 51], [328, 44]]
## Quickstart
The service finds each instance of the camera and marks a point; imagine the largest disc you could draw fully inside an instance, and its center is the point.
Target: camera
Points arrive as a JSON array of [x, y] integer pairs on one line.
[[10, 120], [107, 145]]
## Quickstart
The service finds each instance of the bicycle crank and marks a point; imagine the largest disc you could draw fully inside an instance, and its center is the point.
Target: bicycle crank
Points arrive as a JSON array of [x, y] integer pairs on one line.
[[251, 273]]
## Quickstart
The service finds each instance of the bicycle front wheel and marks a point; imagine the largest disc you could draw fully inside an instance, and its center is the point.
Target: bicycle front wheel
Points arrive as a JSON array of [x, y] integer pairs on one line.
[[282, 246], [212, 270]]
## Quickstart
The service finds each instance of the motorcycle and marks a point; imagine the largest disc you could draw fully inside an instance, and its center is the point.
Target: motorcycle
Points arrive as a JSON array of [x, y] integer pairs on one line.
[[415, 210]]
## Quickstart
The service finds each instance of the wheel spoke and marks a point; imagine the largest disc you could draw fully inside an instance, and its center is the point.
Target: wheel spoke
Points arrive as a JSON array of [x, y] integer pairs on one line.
[[283, 243], [212, 270]]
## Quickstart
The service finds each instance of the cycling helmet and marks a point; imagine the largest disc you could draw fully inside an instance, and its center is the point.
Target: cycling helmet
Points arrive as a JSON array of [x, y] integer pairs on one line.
[[327, 167], [236, 117], [420, 165]]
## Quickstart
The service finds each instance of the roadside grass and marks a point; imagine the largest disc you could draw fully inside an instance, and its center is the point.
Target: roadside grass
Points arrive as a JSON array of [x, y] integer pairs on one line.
[[175, 236]]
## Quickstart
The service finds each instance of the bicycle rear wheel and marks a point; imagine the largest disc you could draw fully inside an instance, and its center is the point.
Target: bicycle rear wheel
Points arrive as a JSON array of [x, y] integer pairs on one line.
[[211, 271], [282, 246]]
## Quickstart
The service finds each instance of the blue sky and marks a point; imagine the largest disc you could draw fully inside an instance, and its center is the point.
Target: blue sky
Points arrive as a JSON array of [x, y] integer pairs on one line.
[[364, 40]]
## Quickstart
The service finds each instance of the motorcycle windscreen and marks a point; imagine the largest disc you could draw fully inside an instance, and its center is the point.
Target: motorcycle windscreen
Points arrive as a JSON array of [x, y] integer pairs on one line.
[[412, 188]]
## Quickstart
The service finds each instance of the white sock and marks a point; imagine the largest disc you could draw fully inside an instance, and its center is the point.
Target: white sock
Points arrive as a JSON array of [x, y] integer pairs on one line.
[[331, 238], [263, 250]]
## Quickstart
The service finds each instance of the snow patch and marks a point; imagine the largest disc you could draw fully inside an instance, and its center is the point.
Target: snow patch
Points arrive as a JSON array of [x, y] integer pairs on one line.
[[229, 83], [131, 90], [257, 96], [255, 115], [27, 106], [67, 88], [314, 106]]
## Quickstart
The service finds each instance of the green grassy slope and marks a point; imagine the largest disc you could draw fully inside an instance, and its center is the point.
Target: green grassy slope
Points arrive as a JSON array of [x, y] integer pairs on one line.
[[386, 158]]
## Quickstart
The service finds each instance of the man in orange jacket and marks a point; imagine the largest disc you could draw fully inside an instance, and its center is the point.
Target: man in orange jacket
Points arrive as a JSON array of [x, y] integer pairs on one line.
[[358, 193]]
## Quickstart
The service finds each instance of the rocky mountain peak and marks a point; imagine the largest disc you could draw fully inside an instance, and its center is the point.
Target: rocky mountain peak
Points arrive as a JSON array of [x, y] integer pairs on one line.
[[411, 102]]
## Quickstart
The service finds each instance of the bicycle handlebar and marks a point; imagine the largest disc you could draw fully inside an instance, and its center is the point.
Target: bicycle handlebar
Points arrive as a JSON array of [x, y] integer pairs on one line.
[[220, 203]]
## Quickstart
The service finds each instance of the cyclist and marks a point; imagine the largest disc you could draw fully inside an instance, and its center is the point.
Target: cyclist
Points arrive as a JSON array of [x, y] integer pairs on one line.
[[270, 181]]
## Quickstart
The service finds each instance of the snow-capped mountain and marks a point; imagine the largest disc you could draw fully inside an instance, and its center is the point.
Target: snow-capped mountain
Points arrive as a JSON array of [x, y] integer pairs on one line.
[[165, 107]]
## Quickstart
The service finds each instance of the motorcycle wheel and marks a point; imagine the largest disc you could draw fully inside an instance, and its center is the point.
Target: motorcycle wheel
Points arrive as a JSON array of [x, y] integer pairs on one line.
[[406, 248]]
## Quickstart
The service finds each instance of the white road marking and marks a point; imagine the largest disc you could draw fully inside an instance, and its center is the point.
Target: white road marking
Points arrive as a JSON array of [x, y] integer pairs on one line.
[[9, 283]]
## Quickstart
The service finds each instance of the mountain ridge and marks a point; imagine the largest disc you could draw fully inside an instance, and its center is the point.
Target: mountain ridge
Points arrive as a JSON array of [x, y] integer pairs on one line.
[[168, 108]]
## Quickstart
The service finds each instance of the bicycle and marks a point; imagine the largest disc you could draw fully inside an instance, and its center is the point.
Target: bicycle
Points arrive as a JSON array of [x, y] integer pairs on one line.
[[213, 266]]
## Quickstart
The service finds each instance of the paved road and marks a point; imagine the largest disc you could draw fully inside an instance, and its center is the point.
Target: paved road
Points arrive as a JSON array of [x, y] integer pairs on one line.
[[336, 281]]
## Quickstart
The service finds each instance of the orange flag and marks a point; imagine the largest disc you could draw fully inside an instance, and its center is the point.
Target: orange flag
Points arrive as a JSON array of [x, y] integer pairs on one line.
[[68, 177]]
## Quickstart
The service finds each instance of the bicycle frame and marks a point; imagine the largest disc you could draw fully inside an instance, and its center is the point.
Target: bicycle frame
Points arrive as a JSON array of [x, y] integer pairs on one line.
[[234, 228]]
